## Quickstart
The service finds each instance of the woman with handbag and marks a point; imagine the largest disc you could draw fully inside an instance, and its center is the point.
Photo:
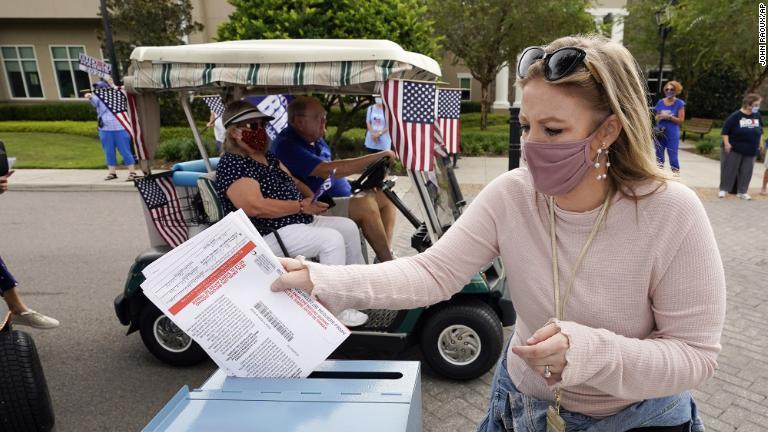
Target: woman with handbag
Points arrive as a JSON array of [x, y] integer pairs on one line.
[[613, 269]]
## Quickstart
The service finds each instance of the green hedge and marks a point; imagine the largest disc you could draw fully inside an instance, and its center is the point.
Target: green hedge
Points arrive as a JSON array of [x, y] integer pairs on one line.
[[470, 107], [50, 111]]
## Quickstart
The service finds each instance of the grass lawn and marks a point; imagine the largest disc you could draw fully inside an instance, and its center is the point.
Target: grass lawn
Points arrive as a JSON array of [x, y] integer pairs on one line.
[[53, 150]]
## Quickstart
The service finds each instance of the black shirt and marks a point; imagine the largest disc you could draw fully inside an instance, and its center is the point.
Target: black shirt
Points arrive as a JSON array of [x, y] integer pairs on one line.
[[744, 132], [274, 183]]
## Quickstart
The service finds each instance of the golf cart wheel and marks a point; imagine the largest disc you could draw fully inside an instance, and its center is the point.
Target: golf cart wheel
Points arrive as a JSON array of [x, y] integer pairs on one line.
[[462, 340], [25, 404], [166, 341]]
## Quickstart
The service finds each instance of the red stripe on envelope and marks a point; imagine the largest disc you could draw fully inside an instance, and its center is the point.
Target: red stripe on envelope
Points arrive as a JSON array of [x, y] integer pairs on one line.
[[213, 277]]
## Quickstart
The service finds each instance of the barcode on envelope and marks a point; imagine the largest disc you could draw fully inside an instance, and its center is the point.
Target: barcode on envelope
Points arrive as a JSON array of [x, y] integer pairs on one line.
[[276, 323], [264, 263]]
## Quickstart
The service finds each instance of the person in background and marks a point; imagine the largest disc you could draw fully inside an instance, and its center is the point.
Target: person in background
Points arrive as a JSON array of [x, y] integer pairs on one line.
[[22, 314], [219, 132], [614, 270], [113, 137], [301, 147], [251, 178], [764, 189], [742, 134], [670, 114], [377, 137]]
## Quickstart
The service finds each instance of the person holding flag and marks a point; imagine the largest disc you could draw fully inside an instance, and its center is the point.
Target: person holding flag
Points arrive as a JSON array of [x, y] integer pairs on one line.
[[113, 136]]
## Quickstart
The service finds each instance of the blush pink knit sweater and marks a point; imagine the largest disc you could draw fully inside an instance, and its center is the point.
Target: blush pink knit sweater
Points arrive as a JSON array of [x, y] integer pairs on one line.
[[644, 316]]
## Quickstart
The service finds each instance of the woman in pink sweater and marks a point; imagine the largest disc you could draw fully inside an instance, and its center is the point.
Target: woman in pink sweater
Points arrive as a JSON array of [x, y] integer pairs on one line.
[[614, 272]]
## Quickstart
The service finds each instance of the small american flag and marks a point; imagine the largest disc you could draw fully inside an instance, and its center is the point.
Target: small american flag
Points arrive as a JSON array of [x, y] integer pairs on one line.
[[448, 110], [411, 116], [159, 194], [123, 106], [214, 104]]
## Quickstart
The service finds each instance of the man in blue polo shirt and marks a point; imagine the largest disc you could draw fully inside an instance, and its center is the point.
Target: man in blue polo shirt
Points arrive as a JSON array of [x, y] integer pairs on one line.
[[301, 147]]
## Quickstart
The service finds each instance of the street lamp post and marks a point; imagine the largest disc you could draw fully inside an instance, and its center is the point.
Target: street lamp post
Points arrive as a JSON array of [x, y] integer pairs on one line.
[[662, 20]]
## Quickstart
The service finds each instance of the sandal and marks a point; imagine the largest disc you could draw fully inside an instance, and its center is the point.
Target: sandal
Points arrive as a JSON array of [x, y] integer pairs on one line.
[[110, 176], [132, 177]]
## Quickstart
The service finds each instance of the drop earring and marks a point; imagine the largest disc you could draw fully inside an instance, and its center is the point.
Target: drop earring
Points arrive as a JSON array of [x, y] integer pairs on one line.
[[602, 151]]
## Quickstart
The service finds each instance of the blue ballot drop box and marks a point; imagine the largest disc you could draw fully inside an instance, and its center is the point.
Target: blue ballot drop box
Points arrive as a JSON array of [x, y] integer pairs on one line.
[[340, 396]]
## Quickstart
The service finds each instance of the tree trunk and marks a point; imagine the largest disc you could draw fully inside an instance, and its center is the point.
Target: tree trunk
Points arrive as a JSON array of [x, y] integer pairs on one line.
[[485, 104], [758, 81]]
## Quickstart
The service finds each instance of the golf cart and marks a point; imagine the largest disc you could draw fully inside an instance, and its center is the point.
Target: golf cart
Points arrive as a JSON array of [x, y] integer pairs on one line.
[[460, 338]]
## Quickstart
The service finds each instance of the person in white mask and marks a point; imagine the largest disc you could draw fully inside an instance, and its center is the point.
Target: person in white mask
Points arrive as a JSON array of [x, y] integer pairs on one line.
[[377, 136], [614, 270]]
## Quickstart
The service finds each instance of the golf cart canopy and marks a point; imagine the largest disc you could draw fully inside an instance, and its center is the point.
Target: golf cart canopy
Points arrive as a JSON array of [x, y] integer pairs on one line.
[[298, 66], [236, 69]]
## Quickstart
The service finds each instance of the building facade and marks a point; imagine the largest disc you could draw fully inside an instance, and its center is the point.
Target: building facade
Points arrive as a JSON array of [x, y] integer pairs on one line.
[[40, 42]]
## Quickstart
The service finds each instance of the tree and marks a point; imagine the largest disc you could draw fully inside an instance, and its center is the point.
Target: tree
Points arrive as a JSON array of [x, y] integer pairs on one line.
[[706, 36], [148, 23], [485, 34], [401, 21], [151, 23]]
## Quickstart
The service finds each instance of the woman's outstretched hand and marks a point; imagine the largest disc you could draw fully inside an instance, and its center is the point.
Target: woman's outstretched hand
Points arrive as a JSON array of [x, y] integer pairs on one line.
[[547, 347], [297, 276]]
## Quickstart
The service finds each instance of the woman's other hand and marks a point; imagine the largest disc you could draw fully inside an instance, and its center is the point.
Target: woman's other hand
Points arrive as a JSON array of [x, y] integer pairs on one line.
[[296, 276], [728, 147], [547, 347], [313, 208]]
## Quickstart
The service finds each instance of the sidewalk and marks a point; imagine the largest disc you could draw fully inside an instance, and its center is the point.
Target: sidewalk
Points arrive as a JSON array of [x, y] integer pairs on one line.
[[697, 172]]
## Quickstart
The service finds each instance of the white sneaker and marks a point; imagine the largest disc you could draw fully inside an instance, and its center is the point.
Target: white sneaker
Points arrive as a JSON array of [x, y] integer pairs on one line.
[[34, 319], [722, 194], [352, 318], [744, 196]]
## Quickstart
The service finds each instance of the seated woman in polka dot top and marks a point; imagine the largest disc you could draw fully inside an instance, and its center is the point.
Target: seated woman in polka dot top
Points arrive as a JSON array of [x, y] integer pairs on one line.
[[251, 178]]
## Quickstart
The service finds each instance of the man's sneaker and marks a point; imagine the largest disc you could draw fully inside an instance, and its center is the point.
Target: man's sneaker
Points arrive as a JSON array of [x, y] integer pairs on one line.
[[352, 318], [722, 194], [744, 196], [35, 319]]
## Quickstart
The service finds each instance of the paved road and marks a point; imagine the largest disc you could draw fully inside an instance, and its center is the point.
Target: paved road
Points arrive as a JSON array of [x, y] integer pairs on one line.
[[71, 252]]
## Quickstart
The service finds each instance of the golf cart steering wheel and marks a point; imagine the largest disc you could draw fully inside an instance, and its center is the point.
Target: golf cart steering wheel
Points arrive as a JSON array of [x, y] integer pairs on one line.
[[372, 177]]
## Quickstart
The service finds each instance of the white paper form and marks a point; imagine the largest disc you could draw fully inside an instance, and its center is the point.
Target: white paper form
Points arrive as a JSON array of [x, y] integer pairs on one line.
[[216, 288]]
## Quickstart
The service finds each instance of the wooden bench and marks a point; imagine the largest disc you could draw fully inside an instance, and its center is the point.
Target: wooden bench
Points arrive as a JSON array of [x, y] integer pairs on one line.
[[697, 125]]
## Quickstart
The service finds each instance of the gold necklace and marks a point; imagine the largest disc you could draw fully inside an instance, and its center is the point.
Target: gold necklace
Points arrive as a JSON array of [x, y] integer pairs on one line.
[[555, 422]]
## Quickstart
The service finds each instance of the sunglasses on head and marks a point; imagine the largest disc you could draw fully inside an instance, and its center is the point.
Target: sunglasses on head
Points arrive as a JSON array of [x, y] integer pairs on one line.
[[557, 65]]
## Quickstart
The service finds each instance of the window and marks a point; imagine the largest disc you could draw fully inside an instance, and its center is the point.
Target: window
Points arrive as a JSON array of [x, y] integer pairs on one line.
[[71, 80], [465, 84], [21, 70]]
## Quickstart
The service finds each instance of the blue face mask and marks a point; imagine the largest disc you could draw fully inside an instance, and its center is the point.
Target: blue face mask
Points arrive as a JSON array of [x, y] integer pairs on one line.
[[755, 110], [670, 94]]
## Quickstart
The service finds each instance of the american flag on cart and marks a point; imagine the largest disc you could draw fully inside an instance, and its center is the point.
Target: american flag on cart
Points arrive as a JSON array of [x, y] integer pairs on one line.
[[159, 195], [214, 104], [448, 110], [123, 106], [411, 119]]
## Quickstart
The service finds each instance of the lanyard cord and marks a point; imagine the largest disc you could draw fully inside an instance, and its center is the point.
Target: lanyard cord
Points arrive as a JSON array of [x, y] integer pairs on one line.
[[560, 304]]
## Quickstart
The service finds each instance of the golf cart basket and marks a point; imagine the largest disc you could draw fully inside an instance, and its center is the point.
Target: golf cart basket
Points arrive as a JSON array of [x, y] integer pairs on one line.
[[237, 69]]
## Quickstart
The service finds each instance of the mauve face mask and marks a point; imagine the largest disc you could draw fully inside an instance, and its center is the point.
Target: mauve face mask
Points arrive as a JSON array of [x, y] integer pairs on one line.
[[557, 168]]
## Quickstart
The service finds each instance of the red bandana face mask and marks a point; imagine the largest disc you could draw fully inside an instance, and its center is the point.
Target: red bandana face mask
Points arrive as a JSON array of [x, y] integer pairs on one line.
[[256, 139]]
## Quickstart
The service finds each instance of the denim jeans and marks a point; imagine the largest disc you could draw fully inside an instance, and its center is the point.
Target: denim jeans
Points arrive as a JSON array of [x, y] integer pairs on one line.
[[6, 278], [511, 410]]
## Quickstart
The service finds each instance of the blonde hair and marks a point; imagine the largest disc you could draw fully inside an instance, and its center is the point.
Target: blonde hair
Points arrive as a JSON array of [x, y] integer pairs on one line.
[[676, 85], [610, 82]]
